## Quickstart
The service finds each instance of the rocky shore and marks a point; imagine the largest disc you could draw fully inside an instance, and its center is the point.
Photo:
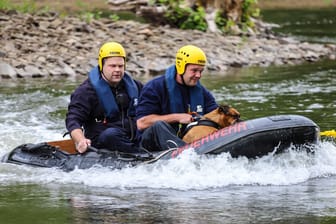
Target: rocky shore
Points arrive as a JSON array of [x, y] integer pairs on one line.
[[47, 45]]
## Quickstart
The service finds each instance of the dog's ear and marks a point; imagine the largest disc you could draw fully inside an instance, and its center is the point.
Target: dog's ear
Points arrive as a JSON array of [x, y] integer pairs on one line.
[[224, 109]]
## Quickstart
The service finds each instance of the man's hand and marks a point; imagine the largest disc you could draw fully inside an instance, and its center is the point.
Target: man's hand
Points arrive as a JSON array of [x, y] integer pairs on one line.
[[82, 145], [80, 141], [184, 118]]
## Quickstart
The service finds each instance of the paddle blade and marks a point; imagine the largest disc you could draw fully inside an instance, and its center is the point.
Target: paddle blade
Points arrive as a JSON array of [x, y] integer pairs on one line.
[[330, 133], [65, 145]]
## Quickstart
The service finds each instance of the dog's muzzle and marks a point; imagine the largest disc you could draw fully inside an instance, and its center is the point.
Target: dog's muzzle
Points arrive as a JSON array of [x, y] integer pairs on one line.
[[236, 119]]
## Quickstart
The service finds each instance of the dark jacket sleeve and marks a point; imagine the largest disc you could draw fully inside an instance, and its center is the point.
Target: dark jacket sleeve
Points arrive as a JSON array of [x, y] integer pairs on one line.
[[82, 102], [153, 99]]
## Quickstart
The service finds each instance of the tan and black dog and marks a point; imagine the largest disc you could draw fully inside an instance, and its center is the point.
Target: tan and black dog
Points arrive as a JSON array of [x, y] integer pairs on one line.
[[219, 118]]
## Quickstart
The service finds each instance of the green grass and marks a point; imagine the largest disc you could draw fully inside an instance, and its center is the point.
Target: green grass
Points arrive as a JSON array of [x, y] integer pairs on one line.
[[27, 6], [80, 9]]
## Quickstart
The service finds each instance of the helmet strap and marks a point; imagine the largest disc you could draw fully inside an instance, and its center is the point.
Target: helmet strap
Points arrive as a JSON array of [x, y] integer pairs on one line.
[[179, 78], [182, 77]]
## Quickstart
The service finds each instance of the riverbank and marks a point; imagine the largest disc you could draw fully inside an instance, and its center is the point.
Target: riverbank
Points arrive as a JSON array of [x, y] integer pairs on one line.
[[72, 6], [298, 4], [49, 45]]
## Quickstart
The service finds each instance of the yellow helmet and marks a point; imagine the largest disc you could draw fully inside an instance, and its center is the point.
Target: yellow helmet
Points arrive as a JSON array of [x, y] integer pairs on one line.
[[189, 54], [110, 49]]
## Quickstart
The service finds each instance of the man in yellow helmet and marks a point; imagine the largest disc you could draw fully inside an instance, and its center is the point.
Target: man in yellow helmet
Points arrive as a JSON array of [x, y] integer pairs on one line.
[[166, 102], [101, 111]]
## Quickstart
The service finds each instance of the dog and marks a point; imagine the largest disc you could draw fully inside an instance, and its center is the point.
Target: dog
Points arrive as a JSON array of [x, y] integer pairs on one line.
[[230, 9], [221, 117]]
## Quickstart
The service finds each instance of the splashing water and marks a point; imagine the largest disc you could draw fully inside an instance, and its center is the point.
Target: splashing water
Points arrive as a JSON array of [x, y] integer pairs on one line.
[[192, 171]]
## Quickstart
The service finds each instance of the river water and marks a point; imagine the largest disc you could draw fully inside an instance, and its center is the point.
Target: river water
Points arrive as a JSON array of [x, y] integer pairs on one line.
[[294, 187]]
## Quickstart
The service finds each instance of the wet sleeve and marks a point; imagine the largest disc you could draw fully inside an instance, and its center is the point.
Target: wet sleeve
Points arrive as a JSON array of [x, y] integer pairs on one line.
[[79, 109]]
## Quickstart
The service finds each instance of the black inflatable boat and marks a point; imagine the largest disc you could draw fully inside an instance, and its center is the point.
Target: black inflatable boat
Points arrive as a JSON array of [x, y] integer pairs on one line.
[[252, 138]]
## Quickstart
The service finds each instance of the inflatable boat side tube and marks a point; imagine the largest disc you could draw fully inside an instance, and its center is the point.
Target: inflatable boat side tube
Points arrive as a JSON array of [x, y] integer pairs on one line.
[[257, 137]]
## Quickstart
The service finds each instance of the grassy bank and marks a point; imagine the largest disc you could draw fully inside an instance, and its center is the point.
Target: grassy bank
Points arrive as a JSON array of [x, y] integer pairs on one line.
[[80, 6], [297, 4], [67, 7]]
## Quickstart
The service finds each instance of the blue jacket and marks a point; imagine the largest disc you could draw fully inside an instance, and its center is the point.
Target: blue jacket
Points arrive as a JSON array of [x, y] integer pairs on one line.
[[92, 113], [155, 97]]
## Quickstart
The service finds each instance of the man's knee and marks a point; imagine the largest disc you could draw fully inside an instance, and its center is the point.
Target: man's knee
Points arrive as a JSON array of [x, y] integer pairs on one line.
[[161, 125], [110, 133]]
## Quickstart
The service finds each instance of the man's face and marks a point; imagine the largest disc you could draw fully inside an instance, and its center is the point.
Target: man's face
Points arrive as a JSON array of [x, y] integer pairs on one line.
[[113, 69], [192, 74]]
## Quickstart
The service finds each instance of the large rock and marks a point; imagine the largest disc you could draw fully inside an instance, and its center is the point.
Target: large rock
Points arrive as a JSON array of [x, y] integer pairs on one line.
[[7, 71]]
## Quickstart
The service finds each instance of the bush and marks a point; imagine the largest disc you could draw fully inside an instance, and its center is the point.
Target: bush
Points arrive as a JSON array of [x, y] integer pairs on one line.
[[194, 18]]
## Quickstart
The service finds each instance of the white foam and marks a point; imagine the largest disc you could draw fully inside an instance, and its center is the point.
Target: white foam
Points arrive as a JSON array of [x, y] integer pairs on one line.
[[192, 171]]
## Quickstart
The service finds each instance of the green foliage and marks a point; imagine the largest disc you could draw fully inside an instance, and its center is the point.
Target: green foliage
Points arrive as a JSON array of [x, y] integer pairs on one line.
[[114, 17], [224, 24], [195, 20], [182, 17], [4, 4], [328, 2], [188, 18], [248, 12], [175, 15], [27, 6], [86, 14]]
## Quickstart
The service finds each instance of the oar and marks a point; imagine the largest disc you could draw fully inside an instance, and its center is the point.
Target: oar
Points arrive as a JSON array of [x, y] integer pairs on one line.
[[330, 133], [66, 145]]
